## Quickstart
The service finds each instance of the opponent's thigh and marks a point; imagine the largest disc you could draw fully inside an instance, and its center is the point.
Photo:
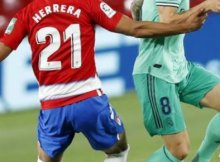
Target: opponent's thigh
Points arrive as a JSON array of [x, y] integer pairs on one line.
[[211, 99], [200, 88]]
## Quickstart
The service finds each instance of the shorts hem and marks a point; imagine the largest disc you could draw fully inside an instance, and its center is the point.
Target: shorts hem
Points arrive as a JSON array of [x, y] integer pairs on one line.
[[167, 133]]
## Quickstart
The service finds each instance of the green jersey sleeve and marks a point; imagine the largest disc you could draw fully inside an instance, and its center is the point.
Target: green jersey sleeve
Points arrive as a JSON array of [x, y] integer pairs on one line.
[[173, 3]]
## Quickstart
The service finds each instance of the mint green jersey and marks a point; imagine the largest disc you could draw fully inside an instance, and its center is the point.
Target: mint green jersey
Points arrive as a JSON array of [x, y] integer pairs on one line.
[[162, 57]]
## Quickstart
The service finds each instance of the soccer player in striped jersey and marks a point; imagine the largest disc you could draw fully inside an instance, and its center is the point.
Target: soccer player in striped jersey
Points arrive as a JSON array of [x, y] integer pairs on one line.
[[163, 77], [62, 37]]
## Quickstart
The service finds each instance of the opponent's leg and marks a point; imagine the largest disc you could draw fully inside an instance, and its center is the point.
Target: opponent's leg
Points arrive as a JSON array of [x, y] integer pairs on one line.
[[175, 150], [163, 154], [178, 144], [163, 116], [210, 142], [203, 92]]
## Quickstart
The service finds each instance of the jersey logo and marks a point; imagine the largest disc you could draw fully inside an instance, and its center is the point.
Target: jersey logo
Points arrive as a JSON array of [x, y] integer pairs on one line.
[[10, 26], [107, 10], [157, 66]]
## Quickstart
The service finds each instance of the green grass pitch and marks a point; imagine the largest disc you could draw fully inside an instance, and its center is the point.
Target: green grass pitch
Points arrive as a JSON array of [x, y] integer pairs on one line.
[[18, 140]]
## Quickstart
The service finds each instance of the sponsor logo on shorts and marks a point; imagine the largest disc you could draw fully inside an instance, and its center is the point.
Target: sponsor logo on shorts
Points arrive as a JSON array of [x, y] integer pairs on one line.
[[11, 26], [107, 10], [169, 122]]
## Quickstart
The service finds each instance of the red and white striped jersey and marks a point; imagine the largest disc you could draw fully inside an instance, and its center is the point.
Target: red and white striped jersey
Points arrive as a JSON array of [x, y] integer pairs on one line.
[[62, 38]]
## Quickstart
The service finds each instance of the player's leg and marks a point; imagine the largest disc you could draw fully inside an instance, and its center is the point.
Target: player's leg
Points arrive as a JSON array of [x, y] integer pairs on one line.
[[120, 146], [210, 142], [163, 116], [119, 151], [54, 133], [103, 128], [201, 92]]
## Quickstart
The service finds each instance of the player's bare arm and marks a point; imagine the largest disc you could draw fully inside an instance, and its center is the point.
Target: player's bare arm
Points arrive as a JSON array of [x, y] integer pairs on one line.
[[145, 29], [170, 15], [4, 51]]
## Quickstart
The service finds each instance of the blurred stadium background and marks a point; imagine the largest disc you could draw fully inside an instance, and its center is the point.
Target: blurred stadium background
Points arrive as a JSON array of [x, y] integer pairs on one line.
[[18, 90]]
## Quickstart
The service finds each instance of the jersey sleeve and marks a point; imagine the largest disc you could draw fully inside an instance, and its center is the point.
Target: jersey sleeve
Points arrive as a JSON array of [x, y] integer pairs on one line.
[[104, 15], [173, 3], [15, 32]]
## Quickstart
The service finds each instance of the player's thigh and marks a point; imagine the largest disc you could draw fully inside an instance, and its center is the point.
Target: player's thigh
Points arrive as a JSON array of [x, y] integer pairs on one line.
[[101, 125], [45, 158], [200, 88], [160, 105], [54, 132]]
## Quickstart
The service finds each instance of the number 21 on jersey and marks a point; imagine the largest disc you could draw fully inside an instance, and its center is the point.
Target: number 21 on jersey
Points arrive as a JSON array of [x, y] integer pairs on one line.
[[72, 32]]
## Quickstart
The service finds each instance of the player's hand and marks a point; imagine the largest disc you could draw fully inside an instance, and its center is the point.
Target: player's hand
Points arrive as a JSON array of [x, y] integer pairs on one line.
[[135, 9], [213, 5], [196, 20]]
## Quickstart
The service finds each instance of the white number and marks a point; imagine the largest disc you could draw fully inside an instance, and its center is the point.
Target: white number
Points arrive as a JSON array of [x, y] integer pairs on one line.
[[72, 33], [54, 45], [75, 44]]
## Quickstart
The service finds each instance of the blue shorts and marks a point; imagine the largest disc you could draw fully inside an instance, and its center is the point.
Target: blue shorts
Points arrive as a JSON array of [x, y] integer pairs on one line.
[[93, 117]]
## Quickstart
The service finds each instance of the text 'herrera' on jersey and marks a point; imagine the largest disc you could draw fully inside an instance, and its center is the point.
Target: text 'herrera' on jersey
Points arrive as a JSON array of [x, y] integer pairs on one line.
[[62, 38]]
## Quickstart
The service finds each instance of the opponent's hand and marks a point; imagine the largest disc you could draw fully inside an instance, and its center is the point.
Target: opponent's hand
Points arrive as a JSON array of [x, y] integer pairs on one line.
[[213, 5], [135, 9], [196, 20]]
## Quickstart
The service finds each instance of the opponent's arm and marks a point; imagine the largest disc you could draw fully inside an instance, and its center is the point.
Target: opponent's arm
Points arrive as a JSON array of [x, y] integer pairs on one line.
[[4, 51], [145, 29]]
